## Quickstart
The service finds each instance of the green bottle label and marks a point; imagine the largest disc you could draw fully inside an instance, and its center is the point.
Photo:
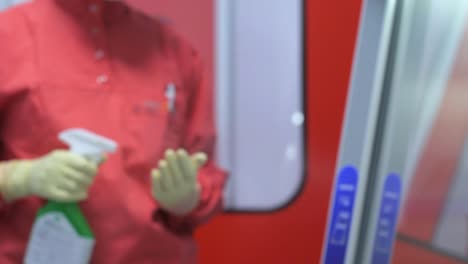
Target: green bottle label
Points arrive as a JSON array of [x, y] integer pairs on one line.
[[73, 214]]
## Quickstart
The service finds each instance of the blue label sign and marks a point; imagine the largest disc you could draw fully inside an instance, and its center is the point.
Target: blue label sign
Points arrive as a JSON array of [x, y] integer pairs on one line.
[[342, 215], [388, 216]]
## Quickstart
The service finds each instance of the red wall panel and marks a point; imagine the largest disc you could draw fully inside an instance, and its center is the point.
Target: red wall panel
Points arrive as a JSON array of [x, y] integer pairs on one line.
[[295, 234]]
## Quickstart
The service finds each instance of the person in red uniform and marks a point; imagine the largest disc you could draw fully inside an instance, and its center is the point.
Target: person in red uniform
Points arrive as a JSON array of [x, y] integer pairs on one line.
[[105, 67]]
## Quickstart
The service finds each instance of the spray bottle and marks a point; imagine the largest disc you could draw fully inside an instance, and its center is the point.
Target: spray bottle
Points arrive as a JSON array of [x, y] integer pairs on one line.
[[61, 233]]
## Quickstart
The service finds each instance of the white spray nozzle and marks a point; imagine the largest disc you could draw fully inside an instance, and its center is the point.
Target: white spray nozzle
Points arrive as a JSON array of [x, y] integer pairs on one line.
[[87, 143]]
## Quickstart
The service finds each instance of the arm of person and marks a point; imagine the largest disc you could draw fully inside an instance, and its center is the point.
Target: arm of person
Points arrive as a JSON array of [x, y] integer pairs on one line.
[[199, 139], [60, 176]]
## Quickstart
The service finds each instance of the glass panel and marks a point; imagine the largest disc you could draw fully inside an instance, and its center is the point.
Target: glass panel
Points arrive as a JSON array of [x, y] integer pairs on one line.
[[424, 137], [435, 212], [260, 93]]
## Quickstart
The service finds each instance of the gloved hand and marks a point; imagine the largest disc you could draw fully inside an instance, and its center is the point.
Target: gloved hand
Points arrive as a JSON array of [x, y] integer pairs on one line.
[[59, 176], [175, 184]]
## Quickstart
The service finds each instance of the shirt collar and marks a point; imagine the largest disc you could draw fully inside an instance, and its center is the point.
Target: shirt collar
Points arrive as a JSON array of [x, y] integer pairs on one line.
[[97, 10]]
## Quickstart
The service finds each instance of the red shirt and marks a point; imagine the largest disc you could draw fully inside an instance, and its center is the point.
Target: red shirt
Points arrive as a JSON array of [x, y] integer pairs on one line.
[[102, 66]]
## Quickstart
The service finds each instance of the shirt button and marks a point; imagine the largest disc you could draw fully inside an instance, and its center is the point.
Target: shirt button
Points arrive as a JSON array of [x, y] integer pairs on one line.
[[101, 79], [93, 8], [99, 54]]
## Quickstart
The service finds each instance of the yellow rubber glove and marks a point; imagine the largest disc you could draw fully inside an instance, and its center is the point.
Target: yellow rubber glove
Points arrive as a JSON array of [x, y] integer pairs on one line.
[[58, 176], [175, 184]]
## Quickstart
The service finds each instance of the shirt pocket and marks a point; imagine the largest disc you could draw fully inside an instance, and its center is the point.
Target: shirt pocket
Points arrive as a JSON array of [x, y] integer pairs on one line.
[[146, 123], [153, 121]]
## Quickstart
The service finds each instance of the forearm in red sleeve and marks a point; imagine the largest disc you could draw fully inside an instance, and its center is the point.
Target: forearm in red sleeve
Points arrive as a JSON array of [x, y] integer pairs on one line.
[[200, 136]]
